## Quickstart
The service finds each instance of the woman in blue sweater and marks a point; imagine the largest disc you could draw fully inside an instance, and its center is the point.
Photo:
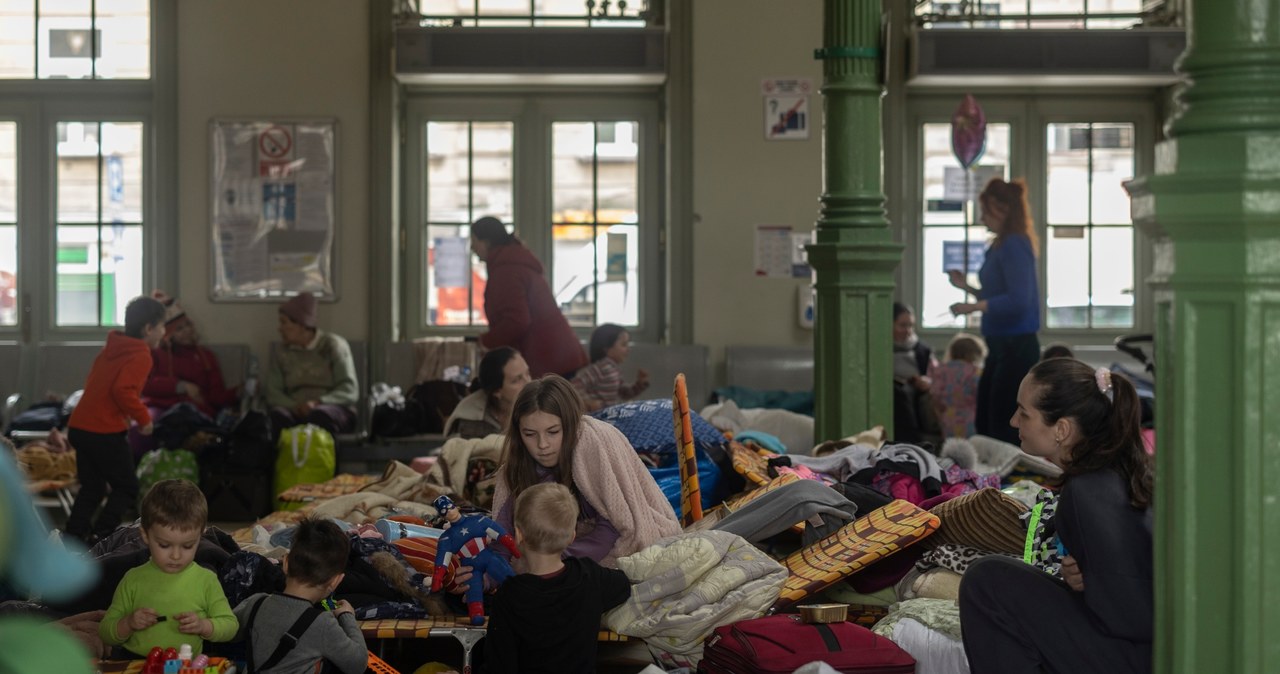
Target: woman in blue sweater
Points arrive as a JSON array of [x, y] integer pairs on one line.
[[1009, 300]]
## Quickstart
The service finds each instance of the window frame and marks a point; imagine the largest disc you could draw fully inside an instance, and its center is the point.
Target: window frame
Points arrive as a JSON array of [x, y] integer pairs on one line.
[[37, 105], [532, 116], [1029, 116]]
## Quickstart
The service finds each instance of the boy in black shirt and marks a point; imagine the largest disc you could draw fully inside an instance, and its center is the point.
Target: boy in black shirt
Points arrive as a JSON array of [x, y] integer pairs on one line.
[[547, 620]]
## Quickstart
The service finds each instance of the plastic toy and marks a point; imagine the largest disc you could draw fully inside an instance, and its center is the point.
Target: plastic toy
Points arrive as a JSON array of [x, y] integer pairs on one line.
[[467, 538]]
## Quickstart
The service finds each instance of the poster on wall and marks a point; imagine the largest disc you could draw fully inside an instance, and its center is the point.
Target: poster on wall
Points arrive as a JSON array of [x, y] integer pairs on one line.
[[786, 108], [273, 213]]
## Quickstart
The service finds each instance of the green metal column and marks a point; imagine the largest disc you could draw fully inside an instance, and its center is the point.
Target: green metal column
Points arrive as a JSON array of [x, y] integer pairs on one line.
[[854, 256], [1213, 206]]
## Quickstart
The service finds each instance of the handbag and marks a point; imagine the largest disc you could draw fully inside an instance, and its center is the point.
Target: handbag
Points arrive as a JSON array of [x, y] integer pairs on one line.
[[305, 455]]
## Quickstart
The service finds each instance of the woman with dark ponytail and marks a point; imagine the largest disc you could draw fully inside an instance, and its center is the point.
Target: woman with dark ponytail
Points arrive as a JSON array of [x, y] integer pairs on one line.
[[1009, 301], [1099, 617]]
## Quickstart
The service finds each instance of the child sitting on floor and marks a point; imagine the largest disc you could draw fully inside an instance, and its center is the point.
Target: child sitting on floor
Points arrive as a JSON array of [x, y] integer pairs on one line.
[[315, 565], [600, 383], [169, 601], [547, 620], [954, 385]]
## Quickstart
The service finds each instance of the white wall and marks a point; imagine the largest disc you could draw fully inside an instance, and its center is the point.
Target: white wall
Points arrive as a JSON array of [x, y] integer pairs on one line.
[[255, 58], [742, 180]]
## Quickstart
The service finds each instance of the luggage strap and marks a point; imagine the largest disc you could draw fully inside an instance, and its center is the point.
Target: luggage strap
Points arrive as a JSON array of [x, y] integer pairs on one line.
[[828, 637]]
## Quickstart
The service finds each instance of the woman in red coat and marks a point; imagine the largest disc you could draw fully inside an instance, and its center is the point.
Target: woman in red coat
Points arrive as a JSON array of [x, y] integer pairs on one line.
[[522, 312]]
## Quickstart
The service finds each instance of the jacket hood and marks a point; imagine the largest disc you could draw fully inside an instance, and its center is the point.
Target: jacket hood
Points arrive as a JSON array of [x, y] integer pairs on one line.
[[514, 255], [120, 345]]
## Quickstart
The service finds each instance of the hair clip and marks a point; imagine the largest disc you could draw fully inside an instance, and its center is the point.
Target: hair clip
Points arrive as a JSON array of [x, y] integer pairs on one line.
[[1103, 378]]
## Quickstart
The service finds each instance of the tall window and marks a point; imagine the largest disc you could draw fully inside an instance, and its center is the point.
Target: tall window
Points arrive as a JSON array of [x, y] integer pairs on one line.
[[1089, 239], [595, 216], [572, 177], [8, 223], [953, 236], [468, 175], [99, 240], [80, 208], [75, 39]]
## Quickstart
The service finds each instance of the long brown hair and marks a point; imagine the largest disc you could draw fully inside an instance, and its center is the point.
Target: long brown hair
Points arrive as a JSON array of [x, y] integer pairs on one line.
[[555, 396], [1111, 427], [1012, 196]]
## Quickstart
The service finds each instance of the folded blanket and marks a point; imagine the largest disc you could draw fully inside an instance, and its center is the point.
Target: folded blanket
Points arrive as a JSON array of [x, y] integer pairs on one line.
[[685, 586]]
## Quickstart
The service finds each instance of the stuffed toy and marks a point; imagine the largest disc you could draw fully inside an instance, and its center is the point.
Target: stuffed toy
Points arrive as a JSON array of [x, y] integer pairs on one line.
[[467, 539]]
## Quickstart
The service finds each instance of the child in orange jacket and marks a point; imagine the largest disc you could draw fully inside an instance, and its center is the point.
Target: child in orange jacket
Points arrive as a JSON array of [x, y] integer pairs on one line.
[[112, 396]]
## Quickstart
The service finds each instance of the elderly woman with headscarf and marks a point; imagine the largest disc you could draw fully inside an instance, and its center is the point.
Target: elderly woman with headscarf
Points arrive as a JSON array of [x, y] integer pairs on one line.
[[312, 377]]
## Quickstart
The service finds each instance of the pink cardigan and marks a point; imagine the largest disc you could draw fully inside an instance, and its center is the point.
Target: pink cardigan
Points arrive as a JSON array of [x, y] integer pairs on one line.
[[615, 482]]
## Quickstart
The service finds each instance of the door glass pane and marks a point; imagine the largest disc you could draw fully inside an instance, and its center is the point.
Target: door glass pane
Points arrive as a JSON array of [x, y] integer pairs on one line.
[[100, 219], [470, 174], [617, 146], [455, 276], [67, 42], [608, 254], [573, 172], [1112, 277], [121, 174], [596, 242], [17, 39], [1068, 178], [96, 279], [78, 171], [1112, 166], [125, 27], [8, 172], [8, 223], [1067, 270], [1089, 256], [950, 195]]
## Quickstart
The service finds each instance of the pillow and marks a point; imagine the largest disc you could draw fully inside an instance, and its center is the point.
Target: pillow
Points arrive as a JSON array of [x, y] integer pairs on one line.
[[998, 455], [647, 425], [854, 547], [986, 519]]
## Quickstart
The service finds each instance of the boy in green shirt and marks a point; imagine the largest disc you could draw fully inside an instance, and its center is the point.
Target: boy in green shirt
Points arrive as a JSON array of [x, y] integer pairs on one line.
[[169, 601]]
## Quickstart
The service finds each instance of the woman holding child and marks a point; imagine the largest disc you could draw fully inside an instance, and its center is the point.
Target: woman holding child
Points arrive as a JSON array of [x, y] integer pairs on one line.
[[549, 440], [1017, 618]]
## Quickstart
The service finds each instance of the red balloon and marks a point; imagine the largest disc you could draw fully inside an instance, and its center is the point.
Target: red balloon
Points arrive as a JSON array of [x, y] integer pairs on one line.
[[968, 131]]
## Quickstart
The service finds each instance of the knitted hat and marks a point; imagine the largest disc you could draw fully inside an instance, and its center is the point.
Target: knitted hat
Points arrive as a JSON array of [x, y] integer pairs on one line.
[[172, 310], [301, 309]]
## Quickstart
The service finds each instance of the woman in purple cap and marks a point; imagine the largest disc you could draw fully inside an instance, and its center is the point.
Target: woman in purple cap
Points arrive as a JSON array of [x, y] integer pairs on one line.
[[312, 377]]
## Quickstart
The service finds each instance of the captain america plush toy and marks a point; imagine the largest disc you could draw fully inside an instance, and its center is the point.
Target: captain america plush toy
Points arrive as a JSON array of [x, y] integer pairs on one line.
[[468, 539]]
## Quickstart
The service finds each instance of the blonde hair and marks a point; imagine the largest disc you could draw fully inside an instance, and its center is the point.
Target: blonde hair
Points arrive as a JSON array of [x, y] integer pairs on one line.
[[547, 516], [967, 347]]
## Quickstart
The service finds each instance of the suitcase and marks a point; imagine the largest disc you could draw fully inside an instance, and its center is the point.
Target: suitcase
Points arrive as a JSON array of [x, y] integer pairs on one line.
[[781, 643]]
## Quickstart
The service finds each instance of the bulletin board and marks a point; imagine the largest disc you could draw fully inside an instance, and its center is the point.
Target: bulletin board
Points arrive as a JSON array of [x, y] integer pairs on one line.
[[273, 210]]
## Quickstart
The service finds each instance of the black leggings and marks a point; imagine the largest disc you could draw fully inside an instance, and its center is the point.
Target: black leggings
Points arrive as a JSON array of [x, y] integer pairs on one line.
[[102, 460], [1008, 361]]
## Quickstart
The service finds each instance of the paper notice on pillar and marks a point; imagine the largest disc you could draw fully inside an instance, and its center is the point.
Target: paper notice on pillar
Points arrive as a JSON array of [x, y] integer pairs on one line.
[[315, 203], [773, 251]]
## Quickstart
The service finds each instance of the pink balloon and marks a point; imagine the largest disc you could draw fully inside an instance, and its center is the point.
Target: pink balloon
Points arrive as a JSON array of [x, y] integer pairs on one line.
[[968, 131]]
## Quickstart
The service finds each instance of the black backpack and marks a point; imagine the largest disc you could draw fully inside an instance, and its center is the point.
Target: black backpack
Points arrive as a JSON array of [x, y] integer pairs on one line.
[[249, 447]]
